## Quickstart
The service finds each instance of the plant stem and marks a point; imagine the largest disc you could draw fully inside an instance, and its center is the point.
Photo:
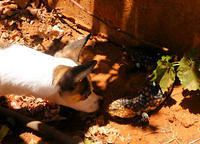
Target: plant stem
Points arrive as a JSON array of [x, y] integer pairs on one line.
[[177, 63]]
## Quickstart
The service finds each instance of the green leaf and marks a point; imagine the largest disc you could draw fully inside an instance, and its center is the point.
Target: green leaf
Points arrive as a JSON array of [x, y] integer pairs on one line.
[[167, 79], [189, 73], [164, 74], [87, 141]]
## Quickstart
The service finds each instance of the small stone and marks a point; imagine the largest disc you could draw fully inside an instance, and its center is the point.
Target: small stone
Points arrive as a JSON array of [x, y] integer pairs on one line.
[[171, 118], [188, 122]]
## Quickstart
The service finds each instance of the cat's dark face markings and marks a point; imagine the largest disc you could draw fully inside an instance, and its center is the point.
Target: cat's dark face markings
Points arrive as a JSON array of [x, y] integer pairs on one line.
[[82, 87], [74, 80]]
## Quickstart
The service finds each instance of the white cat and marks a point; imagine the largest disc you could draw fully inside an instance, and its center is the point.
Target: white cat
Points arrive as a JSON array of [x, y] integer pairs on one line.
[[60, 80]]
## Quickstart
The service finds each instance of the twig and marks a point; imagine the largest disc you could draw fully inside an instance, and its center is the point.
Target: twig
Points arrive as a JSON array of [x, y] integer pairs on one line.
[[173, 137], [194, 141], [38, 126], [150, 133], [170, 141]]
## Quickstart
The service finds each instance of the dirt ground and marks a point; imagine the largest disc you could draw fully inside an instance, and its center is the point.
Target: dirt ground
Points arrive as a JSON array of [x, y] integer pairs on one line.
[[177, 122]]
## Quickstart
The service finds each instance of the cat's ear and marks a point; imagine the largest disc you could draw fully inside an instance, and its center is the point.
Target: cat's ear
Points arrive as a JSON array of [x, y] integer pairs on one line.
[[73, 49], [75, 75]]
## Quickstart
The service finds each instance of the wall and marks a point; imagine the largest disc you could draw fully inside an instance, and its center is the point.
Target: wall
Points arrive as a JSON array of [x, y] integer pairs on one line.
[[168, 23]]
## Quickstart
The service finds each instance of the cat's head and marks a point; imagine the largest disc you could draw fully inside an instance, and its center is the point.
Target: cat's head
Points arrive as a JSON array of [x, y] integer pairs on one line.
[[75, 88], [74, 84]]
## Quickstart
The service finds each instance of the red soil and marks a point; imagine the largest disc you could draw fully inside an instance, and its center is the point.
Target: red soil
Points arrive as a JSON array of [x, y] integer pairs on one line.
[[177, 122]]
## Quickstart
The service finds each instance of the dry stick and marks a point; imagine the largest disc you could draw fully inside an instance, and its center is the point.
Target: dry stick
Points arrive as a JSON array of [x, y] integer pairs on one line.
[[112, 26], [38, 126], [194, 141], [173, 137], [170, 141]]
